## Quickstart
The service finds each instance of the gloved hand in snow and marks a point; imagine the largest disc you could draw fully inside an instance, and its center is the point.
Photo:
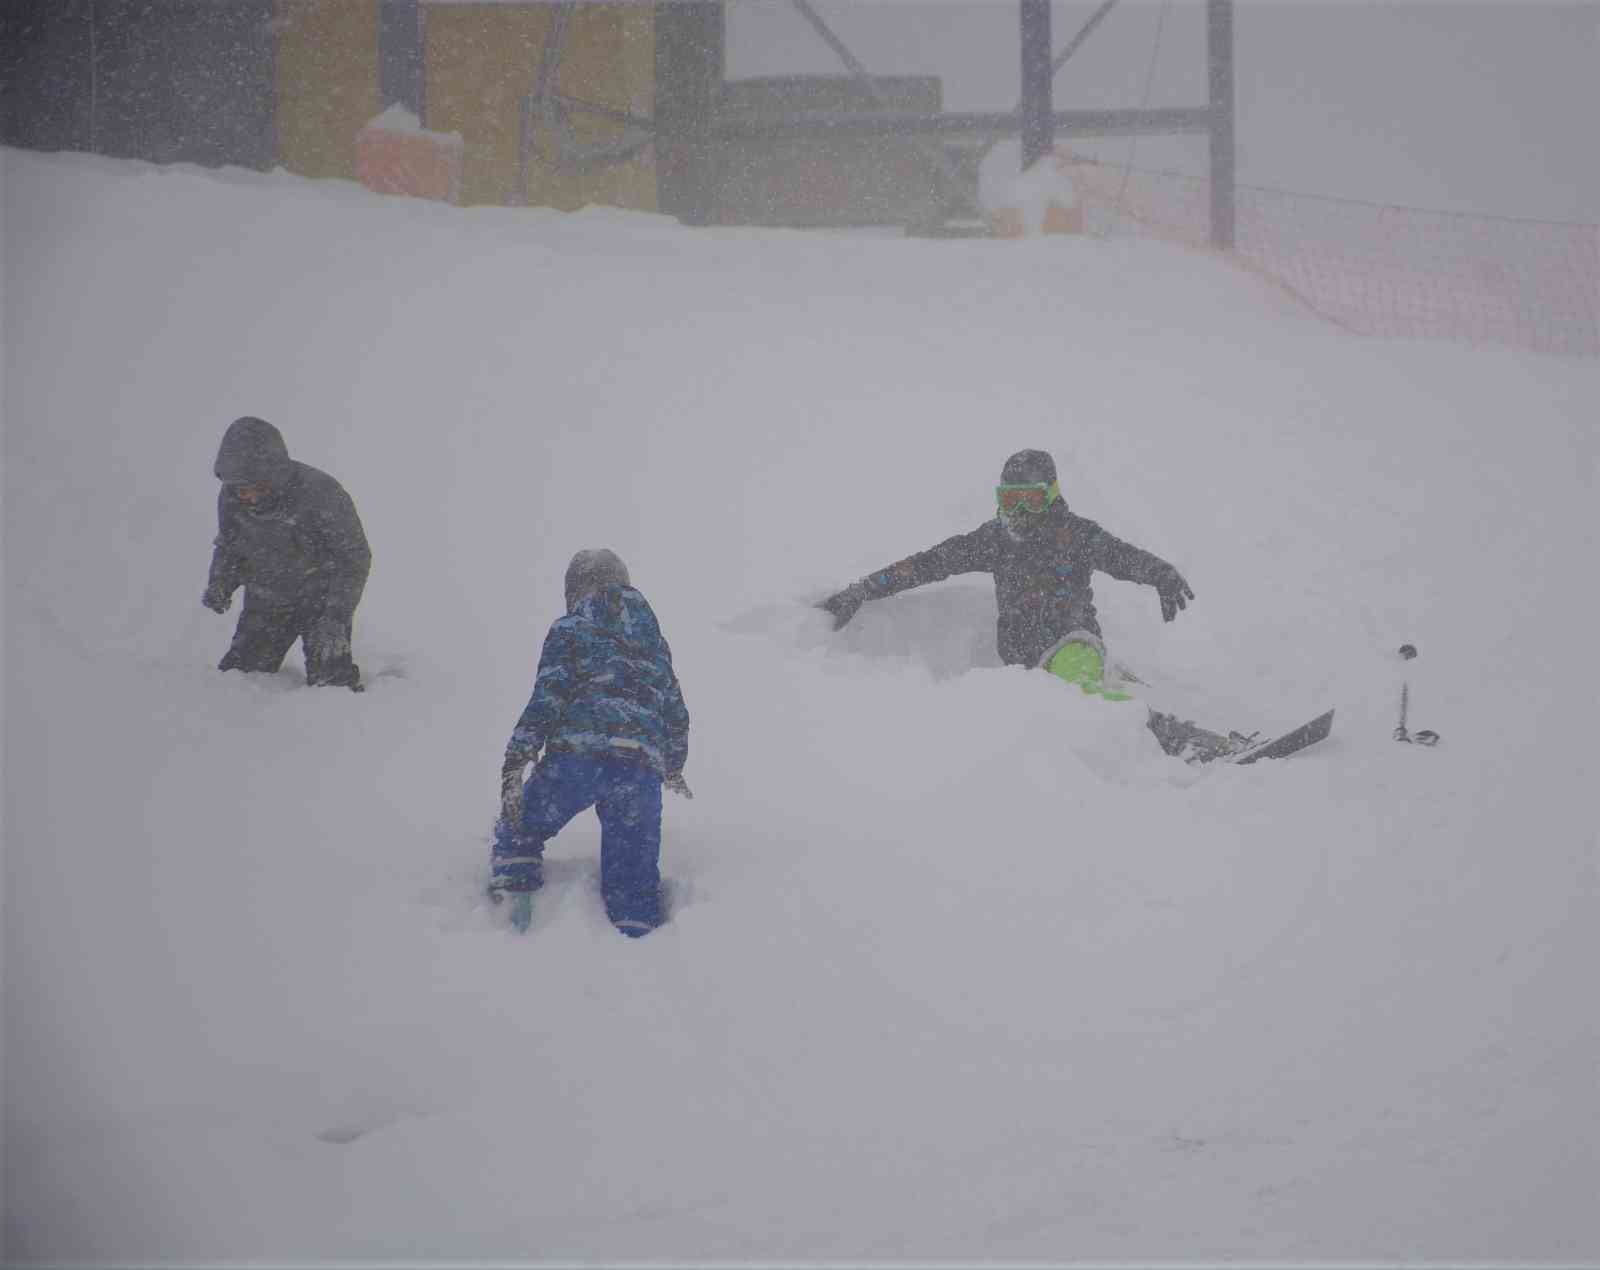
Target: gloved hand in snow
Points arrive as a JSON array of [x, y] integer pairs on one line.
[[843, 604], [1173, 590], [216, 599], [677, 785]]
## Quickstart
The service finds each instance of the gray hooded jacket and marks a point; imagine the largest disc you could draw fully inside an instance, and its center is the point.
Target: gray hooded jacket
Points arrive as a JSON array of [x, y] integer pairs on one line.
[[303, 545]]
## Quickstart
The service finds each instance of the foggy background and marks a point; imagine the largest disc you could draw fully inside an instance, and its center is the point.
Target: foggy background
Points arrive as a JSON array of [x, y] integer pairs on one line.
[[1487, 108]]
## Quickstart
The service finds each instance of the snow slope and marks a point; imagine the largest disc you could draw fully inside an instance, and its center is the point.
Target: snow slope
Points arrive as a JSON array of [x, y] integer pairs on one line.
[[961, 966]]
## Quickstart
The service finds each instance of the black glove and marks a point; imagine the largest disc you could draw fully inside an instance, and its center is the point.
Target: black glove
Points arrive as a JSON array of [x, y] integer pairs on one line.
[[843, 604], [1174, 592], [216, 599], [677, 784]]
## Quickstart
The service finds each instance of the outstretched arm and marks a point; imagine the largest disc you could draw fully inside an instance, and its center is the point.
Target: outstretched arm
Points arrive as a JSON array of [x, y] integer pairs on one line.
[[1128, 563], [965, 553]]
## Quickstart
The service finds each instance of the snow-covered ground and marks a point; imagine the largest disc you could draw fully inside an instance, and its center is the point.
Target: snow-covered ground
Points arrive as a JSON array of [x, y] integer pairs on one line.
[[962, 966]]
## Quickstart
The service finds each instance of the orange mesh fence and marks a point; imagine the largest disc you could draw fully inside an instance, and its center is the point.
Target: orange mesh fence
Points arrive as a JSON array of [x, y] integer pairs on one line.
[[1380, 270]]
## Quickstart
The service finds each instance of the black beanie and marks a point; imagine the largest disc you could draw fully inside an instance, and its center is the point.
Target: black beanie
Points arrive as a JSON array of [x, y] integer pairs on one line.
[[1026, 467]]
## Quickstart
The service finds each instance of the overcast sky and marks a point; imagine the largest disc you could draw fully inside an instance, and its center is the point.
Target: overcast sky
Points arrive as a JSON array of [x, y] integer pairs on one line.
[[1486, 107]]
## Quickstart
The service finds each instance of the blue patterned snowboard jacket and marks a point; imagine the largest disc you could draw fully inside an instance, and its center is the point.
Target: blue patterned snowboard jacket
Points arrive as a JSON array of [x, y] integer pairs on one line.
[[606, 686]]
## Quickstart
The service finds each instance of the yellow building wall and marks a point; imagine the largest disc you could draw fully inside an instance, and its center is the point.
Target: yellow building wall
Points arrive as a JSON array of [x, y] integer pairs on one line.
[[327, 77], [481, 64]]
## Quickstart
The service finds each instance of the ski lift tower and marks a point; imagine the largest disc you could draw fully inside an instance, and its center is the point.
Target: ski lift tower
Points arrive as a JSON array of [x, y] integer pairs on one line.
[[1039, 122], [690, 38]]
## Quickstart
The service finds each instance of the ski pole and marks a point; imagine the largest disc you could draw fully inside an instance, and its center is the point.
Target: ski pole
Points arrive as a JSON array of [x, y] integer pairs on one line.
[[1427, 736]]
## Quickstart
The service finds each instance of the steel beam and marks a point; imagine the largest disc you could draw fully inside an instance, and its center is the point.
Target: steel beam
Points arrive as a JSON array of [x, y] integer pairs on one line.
[[1037, 109], [1095, 123], [690, 43]]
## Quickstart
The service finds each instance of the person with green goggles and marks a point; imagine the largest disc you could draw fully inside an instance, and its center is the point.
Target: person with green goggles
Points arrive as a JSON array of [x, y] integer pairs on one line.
[[1042, 557]]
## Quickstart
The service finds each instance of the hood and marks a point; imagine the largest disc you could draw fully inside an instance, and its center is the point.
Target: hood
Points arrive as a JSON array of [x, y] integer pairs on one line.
[[252, 450], [592, 570], [623, 611]]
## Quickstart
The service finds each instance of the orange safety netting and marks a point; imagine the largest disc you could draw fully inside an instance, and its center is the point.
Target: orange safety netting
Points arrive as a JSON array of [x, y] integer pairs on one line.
[[1380, 270]]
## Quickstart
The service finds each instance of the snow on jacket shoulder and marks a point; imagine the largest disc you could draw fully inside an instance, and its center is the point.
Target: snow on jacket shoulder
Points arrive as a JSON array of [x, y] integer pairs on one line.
[[606, 686]]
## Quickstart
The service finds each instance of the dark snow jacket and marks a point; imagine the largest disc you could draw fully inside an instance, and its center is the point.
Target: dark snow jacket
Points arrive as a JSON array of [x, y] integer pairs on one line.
[[301, 546], [606, 686], [1041, 581]]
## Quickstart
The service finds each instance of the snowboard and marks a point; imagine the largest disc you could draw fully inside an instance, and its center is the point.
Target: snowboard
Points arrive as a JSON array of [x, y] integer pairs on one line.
[[1184, 739]]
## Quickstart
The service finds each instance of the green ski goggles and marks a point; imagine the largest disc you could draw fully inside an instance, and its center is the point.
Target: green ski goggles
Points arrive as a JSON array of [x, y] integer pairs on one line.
[[1035, 496]]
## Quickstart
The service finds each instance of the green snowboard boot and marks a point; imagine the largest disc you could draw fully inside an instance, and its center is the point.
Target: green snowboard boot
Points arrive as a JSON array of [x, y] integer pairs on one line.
[[1079, 661]]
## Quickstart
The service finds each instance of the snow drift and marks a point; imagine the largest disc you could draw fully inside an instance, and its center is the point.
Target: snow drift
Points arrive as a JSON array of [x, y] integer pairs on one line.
[[961, 965]]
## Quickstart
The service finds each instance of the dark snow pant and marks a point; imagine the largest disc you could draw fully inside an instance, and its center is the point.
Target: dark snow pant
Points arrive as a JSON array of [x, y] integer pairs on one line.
[[268, 629], [626, 795]]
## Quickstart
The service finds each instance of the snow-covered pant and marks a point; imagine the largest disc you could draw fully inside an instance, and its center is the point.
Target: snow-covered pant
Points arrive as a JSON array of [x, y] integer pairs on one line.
[[626, 795], [1080, 658], [268, 629]]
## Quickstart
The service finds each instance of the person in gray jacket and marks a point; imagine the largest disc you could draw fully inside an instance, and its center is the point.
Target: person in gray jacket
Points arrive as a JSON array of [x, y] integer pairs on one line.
[[290, 536]]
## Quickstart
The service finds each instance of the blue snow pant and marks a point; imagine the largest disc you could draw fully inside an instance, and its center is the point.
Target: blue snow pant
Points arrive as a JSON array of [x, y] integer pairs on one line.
[[626, 795]]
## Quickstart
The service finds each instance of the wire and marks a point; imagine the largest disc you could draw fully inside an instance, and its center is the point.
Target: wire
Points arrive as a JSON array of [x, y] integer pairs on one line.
[[1196, 179], [1149, 82]]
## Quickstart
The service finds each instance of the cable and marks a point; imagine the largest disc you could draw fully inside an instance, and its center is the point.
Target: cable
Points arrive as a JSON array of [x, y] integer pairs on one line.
[[1149, 82]]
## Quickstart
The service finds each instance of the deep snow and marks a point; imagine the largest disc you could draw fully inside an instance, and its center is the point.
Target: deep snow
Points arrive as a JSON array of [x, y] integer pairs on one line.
[[962, 966]]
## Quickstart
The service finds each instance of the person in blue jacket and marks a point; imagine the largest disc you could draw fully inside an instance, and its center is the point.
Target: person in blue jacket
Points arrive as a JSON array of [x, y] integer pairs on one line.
[[609, 717]]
